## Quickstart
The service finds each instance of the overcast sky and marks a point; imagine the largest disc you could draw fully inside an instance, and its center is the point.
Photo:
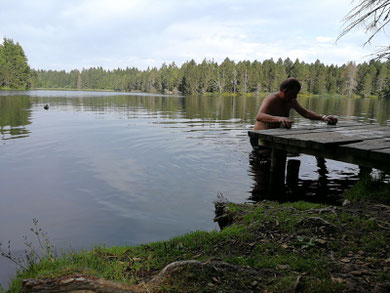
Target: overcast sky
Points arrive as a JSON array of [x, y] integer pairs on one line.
[[70, 34]]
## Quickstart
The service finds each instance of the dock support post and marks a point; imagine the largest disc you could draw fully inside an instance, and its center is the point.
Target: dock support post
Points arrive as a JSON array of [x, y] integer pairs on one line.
[[278, 166], [364, 171], [293, 172]]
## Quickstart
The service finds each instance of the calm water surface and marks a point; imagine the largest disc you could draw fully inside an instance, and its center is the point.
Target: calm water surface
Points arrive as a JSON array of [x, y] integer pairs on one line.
[[120, 169]]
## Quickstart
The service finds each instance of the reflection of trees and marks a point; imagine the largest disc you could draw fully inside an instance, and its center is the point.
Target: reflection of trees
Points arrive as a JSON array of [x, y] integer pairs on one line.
[[14, 116], [219, 108], [190, 107], [222, 108], [365, 109]]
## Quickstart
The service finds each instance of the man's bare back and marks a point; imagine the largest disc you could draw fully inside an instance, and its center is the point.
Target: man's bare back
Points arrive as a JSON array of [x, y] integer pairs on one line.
[[276, 107]]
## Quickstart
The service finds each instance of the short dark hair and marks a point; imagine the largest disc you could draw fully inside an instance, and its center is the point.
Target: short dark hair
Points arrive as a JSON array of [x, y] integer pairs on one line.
[[290, 83]]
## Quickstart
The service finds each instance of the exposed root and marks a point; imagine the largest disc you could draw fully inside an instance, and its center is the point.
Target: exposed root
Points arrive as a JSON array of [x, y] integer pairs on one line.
[[89, 284], [217, 265], [75, 283]]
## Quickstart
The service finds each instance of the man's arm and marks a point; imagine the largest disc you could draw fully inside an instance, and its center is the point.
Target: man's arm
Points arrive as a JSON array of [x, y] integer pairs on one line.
[[306, 113], [313, 115]]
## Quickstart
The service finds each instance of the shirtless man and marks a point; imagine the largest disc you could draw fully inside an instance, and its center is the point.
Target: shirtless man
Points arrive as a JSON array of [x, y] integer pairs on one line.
[[275, 110]]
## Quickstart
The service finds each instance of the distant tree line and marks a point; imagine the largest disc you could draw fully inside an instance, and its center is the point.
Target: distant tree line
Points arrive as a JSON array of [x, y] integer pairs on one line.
[[366, 79], [14, 70]]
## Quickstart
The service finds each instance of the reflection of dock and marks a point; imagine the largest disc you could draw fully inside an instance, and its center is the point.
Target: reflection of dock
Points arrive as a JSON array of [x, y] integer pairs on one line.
[[321, 190], [364, 145]]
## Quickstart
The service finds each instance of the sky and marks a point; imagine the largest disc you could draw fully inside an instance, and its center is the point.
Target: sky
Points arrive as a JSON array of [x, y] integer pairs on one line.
[[77, 34]]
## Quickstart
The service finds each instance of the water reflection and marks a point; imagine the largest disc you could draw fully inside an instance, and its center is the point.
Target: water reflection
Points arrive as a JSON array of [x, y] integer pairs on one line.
[[15, 115], [122, 169], [367, 110], [15, 107], [320, 190]]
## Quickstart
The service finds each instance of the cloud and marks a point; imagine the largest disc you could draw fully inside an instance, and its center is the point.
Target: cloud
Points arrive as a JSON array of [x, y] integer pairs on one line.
[[325, 39], [103, 10], [141, 33]]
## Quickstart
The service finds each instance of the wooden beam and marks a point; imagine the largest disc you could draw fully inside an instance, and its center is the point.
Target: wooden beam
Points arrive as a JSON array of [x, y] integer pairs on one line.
[[363, 145], [278, 168], [364, 148]]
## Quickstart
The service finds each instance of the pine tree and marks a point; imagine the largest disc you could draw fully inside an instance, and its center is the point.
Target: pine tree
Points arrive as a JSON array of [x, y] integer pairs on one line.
[[229, 76], [331, 81], [366, 74], [206, 76], [300, 71], [319, 78], [256, 77], [243, 70], [2, 67], [14, 69], [350, 77], [288, 65], [190, 81], [382, 79], [279, 74], [269, 73]]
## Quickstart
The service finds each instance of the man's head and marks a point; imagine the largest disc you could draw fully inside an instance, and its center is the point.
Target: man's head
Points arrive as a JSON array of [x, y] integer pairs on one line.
[[290, 88]]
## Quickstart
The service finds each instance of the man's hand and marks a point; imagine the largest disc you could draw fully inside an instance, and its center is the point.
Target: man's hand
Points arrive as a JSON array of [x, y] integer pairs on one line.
[[285, 122], [330, 119]]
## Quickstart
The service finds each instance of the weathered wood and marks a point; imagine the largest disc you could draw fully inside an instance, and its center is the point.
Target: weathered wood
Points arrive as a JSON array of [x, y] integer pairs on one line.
[[277, 132], [382, 155], [293, 172], [321, 137], [278, 167], [321, 140], [364, 148], [363, 145], [333, 154], [367, 133]]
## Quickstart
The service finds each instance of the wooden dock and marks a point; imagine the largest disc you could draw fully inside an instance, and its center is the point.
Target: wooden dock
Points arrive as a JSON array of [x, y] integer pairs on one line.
[[360, 144]]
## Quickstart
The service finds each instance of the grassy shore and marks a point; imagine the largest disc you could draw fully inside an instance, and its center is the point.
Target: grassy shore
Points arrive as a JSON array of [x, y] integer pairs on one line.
[[266, 247]]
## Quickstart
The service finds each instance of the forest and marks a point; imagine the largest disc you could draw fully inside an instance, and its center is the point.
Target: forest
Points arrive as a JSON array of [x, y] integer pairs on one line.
[[367, 79]]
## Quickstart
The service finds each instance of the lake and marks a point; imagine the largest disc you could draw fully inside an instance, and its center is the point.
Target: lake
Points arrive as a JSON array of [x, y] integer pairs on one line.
[[122, 169]]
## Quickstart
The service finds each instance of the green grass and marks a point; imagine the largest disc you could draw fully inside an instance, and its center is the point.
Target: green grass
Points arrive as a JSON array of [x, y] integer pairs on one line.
[[369, 189], [267, 237], [75, 89], [12, 89]]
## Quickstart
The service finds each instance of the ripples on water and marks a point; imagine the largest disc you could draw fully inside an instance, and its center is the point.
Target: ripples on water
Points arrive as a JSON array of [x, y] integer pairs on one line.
[[125, 169]]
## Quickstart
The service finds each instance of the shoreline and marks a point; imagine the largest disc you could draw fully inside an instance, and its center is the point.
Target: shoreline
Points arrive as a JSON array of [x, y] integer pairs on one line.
[[264, 246], [178, 94], [207, 94]]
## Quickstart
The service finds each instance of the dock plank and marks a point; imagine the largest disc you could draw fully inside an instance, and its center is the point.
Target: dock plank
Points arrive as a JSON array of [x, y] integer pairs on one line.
[[382, 155], [287, 136], [367, 133], [362, 144], [309, 129], [282, 135], [364, 148], [336, 137]]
